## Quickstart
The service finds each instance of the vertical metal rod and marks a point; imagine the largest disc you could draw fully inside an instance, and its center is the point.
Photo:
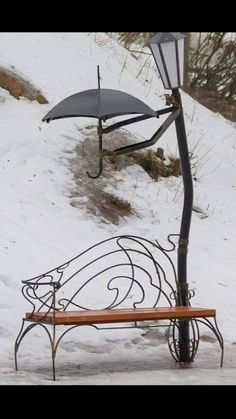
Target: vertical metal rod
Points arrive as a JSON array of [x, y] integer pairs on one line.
[[17, 343], [183, 299], [54, 332], [100, 131], [15, 356], [98, 73], [100, 146]]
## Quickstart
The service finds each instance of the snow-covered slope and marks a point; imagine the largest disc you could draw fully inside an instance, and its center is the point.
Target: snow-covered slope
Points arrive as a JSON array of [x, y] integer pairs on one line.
[[40, 228]]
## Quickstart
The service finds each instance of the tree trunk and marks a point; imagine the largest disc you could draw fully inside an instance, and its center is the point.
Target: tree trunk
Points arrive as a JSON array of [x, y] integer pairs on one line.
[[186, 60]]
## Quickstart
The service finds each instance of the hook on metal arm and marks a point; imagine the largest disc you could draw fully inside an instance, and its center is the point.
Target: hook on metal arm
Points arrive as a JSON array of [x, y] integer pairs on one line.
[[100, 152]]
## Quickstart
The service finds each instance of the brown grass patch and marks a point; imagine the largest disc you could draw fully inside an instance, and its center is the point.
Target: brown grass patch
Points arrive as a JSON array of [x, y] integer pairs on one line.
[[155, 166], [108, 206], [18, 87], [90, 194]]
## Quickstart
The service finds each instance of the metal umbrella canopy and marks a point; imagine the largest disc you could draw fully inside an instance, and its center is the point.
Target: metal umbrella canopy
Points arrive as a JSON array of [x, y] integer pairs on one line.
[[99, 103], [102, 104]]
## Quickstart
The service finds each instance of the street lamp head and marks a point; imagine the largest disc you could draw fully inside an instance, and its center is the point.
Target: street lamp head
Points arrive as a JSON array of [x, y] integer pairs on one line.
[[168, 51]]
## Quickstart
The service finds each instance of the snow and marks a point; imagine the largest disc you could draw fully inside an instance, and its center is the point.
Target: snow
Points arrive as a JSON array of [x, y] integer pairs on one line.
[[40, 229]]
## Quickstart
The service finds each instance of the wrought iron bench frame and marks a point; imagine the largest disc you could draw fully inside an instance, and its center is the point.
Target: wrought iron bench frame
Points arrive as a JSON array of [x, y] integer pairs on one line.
[[51, 311]]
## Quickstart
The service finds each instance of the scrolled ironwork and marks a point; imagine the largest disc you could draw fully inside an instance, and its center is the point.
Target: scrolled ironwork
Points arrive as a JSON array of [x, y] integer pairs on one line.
[[191, 294], [126, 267], [173, 339], [175, 296]]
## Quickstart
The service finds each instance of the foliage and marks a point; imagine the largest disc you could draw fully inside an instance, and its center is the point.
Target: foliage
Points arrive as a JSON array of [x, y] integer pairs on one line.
[[212, 64], [140, 38], [210, 67]]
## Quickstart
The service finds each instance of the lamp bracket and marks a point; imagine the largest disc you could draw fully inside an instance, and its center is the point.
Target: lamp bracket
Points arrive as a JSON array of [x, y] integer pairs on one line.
[[172, 100], [147, 143]]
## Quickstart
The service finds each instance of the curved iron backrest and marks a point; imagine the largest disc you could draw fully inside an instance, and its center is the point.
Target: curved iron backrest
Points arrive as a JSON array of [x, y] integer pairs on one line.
[[125, 271]]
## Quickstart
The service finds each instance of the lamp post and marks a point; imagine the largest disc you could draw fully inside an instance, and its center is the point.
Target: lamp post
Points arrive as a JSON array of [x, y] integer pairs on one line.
[[168, 51]]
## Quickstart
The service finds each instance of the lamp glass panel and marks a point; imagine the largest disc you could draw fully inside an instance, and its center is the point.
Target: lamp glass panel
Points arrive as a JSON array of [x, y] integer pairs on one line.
[[181, 60], [170, 58], [157, 56]]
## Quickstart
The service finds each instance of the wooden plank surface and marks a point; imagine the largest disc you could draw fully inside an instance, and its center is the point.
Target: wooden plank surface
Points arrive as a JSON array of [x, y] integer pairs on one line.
[[120, 315]]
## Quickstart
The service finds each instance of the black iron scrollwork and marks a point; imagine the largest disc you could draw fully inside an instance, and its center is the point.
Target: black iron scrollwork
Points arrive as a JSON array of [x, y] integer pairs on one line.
[[131, 270]]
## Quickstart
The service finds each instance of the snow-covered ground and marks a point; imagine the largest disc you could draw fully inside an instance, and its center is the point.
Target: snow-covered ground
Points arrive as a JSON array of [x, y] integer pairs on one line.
[[40, 229]]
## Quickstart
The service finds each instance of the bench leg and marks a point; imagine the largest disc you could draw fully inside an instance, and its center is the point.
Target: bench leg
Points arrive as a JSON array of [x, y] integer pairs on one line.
[[54, 352], [173, 339], [23, 333], [215, 329], [19, 339], [55, 343]]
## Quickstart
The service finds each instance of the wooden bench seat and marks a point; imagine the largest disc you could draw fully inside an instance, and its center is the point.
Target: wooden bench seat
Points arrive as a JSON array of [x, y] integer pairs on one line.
[[120, 315]]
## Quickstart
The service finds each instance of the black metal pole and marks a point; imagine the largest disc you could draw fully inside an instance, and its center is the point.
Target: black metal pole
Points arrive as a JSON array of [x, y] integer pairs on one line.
[[184, 348]]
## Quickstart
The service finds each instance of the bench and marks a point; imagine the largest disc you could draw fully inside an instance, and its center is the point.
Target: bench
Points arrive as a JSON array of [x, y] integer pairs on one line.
[[126, 280]]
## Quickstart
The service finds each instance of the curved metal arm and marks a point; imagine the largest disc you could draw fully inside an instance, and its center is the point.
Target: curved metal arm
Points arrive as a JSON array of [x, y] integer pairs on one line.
[[147, 143], [136, 119], [134, 147]]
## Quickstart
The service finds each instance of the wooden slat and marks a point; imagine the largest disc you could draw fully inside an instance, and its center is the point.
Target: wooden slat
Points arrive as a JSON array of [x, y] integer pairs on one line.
[[121, 315]]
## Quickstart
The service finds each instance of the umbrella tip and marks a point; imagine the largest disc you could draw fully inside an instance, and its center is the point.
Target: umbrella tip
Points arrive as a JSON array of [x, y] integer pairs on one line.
[[46, 120]]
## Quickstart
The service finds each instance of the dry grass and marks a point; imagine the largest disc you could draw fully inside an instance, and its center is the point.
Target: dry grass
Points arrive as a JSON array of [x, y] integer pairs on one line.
[[155, 166], [212, 101], [109, 207], [91, 195], [18, 87], [140, 38]]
